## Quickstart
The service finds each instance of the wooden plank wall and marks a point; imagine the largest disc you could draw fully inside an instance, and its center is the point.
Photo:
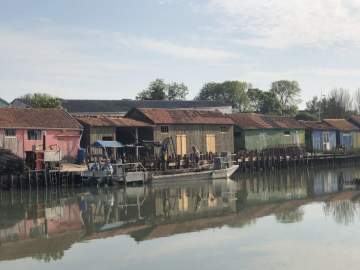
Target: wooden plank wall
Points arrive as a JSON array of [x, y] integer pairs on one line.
[[196, 135]]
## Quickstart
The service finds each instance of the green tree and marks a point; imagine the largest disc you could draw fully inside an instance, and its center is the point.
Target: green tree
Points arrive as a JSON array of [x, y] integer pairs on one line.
[[270, 104], [288, 93], [40, 100], [229, 92], [338, 104], [263, 101], [156, 91], [177, 91], [256, 99], [159, 90]]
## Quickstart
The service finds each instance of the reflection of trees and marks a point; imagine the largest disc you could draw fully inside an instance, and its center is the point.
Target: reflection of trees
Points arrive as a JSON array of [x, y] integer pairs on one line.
[[49, 256], [290, 216], [343, 212]]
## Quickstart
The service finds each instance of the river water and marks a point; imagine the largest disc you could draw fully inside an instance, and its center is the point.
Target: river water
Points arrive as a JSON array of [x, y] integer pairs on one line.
[[296, 219]]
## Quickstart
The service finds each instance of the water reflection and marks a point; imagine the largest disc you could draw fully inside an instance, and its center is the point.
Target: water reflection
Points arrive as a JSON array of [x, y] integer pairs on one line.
[[43, 224]]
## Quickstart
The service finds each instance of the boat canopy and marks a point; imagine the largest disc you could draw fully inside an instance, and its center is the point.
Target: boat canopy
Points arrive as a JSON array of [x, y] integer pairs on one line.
[[107, 144]]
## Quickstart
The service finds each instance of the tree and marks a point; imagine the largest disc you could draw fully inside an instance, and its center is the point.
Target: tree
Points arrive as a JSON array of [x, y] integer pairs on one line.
[[40, 100], [229, 92], [156, 91], [357, 100], [263, 102], [177, 91], [159, 90], [313, 105], [270, 104], [338, 104], [256, 98], [288, 94]]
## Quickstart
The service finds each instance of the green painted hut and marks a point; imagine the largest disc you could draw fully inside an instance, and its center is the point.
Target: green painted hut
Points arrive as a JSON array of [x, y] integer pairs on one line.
[[3, 103], [257, 131]]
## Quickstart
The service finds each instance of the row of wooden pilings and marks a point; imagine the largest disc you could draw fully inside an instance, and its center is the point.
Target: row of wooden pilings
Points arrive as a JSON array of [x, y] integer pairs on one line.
[[39, 178], [264, 162]]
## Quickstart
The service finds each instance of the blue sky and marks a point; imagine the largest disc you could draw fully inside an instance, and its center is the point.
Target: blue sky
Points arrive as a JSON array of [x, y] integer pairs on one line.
[[113, 49]]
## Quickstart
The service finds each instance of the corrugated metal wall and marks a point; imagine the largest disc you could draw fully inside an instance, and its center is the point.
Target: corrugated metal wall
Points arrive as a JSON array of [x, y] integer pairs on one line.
[[261, 139], [346, 140]]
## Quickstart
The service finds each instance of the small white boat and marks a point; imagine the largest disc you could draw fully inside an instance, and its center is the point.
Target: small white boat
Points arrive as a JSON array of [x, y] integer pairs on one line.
[[195, 175]]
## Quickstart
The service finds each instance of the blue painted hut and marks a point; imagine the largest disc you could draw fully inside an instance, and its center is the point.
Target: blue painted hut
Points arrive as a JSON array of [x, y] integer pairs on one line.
[[319, 136], [347, 134]]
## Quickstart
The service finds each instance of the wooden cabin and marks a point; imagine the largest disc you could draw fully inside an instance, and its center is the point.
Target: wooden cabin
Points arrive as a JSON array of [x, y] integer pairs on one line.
[[29, 131], [208, 131], [319, 136], [112, 128], [347, 134], [257, 131]]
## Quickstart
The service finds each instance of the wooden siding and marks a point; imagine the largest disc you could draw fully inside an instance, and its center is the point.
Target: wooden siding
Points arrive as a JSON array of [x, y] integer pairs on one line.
[[356, 139], [98, 133], [196, 135], [315, 140], [262, 139]]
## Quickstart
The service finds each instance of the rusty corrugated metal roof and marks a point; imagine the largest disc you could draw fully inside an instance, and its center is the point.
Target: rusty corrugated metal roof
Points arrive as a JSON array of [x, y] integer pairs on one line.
[[261, 121], [316, 125], [199, 117], [341, 124], [107, 121], [37, 118]]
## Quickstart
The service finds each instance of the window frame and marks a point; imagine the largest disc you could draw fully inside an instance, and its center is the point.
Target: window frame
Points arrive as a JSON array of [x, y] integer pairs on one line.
[[224, 129], [287, 133], [38, 133], [164, 127], [10, 136]]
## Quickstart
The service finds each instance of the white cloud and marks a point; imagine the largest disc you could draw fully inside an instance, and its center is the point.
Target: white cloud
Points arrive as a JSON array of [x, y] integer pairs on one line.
[[176, 49], [280, 24]]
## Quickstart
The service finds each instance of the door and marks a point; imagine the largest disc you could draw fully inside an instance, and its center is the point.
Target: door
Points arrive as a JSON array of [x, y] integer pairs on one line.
[[210, 143], [296, 138], [181, 145], [326, 141]]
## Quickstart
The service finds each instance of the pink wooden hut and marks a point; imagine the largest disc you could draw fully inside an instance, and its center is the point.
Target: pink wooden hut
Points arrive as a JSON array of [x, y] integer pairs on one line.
[[29, 131]]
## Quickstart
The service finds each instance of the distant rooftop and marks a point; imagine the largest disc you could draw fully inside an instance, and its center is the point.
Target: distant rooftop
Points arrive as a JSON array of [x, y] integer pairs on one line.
[[260, 121], [124, 105], [341, 124], [3, 103]]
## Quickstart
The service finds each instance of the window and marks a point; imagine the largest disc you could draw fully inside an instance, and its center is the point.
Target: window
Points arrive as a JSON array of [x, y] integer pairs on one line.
[[210, 143], [10, 132], [34, 134], [287, 133], [164, 129], [223, 129], [181, 145]]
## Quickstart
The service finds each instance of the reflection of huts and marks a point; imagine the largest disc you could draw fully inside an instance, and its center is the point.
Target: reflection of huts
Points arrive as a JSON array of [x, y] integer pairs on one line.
[[209, 131], [112, 128], [256, 131], [319, 136], [347, 134]]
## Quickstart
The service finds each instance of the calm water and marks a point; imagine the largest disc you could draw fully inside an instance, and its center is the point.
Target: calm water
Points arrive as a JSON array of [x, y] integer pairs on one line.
[[305, 219]]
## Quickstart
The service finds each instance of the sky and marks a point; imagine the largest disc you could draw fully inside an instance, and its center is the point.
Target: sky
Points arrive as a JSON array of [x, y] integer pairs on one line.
[[112, 49]]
